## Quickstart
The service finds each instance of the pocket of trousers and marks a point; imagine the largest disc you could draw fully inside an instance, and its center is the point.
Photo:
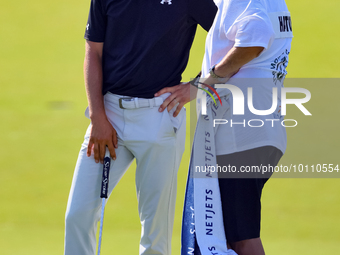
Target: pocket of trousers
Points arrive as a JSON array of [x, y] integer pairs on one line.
[[178, 120]]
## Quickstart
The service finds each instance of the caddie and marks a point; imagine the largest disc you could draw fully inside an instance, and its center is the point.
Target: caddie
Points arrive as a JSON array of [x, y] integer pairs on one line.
[[248, 47], [133, 49]]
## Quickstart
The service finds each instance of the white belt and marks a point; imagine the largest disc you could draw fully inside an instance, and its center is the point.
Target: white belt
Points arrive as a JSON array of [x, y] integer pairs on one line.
[[134, 102]]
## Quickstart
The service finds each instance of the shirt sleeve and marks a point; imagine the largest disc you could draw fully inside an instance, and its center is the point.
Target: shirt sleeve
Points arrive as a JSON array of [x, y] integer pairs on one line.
[[252, 28], [203, 12], [96, 24]]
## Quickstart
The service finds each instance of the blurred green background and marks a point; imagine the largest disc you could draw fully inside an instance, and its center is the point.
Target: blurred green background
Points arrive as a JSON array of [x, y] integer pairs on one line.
[[42, 101]]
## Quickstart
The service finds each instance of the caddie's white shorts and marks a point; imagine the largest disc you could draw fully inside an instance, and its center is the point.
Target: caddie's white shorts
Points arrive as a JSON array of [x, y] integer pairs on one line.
[[157, 141]]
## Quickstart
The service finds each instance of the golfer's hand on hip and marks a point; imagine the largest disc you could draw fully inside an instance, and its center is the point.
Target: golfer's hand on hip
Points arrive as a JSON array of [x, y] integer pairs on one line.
[[102, 135], [180, 95]]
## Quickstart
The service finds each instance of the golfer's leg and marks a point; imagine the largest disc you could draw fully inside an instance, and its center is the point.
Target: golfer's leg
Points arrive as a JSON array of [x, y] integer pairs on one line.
[[83, 208], [156, 183]]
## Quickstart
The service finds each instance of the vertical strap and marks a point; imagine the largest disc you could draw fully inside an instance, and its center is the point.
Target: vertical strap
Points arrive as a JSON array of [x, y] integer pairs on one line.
[[136, 102], [151, 102]]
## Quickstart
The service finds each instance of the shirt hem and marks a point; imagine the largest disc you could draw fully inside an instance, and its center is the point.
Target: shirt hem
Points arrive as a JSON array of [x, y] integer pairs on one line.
[[251, 45], [251, 146], [93, 39]]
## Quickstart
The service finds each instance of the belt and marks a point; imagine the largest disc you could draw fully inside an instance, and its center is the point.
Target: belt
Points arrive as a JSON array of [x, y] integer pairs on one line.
[[135, 102]]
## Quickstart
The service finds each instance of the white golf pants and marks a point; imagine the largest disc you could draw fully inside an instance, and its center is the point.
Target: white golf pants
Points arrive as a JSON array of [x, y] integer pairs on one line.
[[156, 140]]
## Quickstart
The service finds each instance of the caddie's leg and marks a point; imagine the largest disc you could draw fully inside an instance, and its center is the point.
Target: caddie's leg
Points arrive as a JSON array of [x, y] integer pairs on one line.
[[83, 208], [158, 157], [249, 246], [241, 197]]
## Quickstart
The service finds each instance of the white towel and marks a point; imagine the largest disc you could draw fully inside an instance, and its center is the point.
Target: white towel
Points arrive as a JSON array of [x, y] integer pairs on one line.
[[202, 216]]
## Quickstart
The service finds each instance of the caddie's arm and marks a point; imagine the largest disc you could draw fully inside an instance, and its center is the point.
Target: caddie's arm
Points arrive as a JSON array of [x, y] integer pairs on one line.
[[232, 63], [102, 132]]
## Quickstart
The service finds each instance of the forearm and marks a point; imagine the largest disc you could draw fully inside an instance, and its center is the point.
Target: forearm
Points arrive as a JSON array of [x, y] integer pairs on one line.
[[232, 63], [102, 135], [93, 80]]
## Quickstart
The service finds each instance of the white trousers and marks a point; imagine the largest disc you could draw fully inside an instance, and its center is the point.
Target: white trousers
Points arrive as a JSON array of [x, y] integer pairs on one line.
[[157, 141]]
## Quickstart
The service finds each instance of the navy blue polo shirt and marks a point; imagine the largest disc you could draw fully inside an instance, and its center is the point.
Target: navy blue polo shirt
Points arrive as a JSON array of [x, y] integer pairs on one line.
[[146, 42]]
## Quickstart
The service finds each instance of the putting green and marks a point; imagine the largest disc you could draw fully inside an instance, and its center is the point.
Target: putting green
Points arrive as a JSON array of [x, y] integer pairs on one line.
[[42, 101]]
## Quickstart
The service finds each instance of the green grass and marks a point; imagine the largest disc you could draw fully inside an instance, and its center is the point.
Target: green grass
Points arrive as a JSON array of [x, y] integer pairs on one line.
[[42, 101]]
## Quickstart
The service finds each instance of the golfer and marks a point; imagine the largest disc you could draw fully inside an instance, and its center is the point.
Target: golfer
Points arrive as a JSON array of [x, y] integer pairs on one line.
[[133, 49], [247, 47]]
